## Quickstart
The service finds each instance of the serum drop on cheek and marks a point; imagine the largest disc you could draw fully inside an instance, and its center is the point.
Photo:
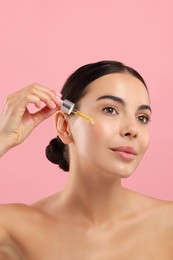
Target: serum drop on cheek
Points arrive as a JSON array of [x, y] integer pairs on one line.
[[68, 107]]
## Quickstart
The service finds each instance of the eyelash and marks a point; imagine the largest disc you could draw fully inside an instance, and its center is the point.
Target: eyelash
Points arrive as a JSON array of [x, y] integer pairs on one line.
[[110, 111], [144, 119]]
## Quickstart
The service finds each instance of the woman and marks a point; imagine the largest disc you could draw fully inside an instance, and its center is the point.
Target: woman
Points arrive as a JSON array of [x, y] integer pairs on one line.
[[94, 217]]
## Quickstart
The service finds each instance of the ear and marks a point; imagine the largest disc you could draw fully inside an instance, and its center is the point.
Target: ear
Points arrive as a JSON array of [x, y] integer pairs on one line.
[[61, 122]]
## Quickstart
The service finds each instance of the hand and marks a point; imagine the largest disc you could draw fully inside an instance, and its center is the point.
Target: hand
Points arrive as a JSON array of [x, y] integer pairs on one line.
[[16, 122]]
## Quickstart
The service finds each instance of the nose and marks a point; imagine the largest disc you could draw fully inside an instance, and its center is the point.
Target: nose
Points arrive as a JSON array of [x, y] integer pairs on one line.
[[129, 130]]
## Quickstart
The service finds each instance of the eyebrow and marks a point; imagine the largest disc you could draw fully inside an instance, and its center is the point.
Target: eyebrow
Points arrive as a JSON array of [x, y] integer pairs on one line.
[[122, 102]]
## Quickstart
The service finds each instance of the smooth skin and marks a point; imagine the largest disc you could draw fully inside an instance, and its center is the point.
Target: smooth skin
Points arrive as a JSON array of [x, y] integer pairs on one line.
[[93, 217]]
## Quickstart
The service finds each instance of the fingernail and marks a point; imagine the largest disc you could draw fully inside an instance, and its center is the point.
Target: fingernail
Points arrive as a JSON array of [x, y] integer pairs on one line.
[[59, 95], [59, 98], [52, 104], [41, 105]]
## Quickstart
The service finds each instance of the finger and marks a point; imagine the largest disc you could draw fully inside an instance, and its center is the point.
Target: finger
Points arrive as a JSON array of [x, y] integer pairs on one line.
[[43, 114], [45, 99], [46, 95], [35, 94]]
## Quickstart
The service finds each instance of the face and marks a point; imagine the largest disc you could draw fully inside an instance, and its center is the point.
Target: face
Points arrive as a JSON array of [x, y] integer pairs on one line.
[[119, 137]]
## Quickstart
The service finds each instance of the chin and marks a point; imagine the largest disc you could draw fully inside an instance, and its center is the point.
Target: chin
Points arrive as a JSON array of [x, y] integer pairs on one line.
[[126, 175], [124, 172]]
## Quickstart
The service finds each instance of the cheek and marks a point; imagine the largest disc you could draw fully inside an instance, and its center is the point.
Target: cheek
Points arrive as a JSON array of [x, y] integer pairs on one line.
[[101, 132], [145, 141], [89, 138]]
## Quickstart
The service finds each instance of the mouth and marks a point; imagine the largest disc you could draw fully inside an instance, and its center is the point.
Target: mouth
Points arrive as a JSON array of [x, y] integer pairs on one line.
[[126, 153]]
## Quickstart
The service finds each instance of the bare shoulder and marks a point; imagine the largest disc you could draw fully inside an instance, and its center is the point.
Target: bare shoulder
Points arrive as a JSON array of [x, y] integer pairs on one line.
[[18, 223], [17, 217], [162, 209], [12, 216], [13, 212], [163, 217], [157, 211], [152, 207], [164, 213]]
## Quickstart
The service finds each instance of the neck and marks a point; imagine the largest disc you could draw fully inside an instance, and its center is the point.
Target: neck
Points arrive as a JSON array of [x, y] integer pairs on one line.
[[94, 197]]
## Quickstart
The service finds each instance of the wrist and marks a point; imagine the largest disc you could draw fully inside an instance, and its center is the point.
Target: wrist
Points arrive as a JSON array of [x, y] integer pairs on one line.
[[4, 146]]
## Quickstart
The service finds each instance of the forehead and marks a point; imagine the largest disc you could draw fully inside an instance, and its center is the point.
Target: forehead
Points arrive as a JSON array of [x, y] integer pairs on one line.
[[123, 85]]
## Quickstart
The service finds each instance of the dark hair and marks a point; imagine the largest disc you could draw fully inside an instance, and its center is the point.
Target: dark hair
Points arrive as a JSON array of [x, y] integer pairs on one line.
[[74, 89]]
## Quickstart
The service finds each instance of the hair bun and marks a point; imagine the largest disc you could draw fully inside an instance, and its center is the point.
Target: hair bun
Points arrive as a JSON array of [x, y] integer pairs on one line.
[[56, 153]]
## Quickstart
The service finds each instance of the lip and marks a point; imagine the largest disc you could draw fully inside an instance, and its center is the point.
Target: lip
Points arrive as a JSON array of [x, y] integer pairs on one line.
[[127, 153]]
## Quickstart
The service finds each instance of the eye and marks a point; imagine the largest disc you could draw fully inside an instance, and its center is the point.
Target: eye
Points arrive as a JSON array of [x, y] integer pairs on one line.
[[143, 119], [110, 111]]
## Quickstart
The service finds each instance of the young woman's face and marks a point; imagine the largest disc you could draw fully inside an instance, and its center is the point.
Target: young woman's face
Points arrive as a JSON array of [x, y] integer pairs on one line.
[[119, 137]]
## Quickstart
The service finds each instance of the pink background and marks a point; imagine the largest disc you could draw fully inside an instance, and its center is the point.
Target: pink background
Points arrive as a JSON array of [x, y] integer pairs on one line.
[[44, 41]]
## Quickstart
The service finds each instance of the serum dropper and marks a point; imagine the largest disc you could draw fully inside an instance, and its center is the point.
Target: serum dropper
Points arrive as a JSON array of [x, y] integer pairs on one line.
[[68, 107]]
